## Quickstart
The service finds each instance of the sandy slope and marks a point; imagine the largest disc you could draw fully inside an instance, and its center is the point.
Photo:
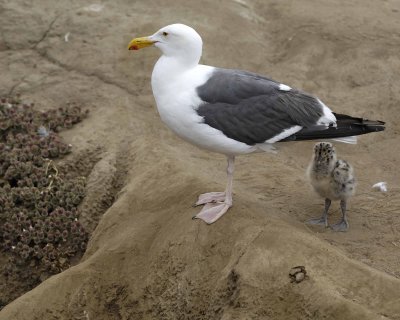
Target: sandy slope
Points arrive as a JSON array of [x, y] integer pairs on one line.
[[147, 259]]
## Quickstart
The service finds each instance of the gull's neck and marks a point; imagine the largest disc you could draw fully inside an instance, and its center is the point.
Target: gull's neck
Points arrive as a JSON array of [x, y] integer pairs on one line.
[[167, 70]]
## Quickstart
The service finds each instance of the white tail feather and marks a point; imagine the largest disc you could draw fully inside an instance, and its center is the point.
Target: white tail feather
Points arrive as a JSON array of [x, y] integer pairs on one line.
[[350, 140]]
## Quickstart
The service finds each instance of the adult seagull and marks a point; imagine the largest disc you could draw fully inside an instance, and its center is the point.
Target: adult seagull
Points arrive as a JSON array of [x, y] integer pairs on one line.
[[232, 111]]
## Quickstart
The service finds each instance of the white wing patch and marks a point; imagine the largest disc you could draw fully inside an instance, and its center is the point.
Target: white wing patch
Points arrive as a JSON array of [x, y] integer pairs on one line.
[[328, 117], [284, 134], [284, 87]]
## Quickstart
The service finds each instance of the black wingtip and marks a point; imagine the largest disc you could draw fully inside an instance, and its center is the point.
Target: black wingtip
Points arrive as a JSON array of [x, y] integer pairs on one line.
[[364, 124], [345, 126]]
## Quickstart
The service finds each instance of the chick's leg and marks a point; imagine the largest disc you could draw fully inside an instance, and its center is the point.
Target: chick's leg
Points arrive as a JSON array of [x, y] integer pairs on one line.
[[343, 224], [323, 221]]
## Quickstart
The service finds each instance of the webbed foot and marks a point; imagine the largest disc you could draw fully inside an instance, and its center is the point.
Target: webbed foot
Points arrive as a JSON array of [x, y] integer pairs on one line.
[[323, 221], [342, 226]]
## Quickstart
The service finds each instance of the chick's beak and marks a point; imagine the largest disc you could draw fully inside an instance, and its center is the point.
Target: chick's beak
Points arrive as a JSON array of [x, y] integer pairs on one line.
[[139, 43]]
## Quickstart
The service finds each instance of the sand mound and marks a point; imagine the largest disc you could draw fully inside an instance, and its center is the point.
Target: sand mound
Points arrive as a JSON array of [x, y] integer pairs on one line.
[[146, 258]]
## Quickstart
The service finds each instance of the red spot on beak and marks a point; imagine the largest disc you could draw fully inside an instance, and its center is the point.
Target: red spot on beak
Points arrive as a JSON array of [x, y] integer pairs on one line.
[[134, 47]]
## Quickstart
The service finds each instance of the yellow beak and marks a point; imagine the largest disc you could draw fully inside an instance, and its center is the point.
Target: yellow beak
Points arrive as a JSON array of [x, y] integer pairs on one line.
[[139, 43]]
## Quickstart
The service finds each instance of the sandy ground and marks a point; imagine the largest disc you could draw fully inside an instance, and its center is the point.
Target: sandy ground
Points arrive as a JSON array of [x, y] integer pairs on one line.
[[146, 258]]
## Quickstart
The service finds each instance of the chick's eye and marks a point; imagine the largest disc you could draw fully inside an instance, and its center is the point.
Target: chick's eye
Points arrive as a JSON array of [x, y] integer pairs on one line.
[[165, 34]]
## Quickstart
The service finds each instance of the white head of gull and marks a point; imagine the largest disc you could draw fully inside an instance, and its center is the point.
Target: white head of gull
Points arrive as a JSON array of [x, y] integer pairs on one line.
[[232, 111]]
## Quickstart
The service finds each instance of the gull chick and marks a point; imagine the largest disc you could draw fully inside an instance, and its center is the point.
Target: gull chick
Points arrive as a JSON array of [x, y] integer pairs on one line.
[[332, 179]]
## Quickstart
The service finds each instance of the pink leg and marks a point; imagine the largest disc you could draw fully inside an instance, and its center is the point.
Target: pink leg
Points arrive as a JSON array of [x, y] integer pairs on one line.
[[221, 202]]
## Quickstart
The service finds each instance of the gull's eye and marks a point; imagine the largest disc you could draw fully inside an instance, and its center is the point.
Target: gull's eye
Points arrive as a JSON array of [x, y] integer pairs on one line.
[[165, 34]]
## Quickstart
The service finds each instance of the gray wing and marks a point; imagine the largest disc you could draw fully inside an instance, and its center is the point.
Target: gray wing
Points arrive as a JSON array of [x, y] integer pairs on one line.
[[251, 108]]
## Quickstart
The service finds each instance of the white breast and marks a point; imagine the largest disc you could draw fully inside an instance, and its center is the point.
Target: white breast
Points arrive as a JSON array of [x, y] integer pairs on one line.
[[177, 100]]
